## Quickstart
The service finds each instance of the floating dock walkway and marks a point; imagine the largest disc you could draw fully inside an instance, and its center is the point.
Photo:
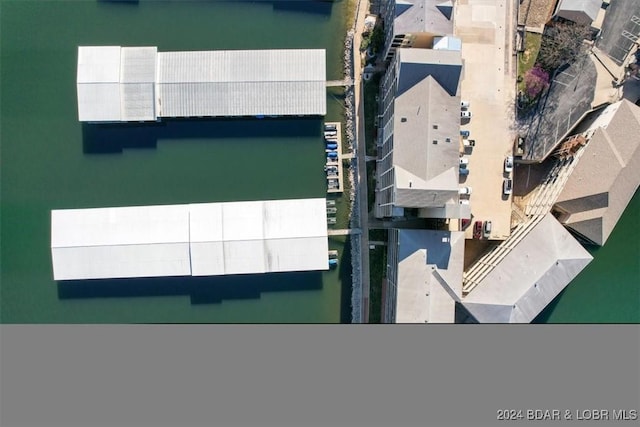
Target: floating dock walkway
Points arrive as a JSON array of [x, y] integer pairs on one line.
[[334, 163]]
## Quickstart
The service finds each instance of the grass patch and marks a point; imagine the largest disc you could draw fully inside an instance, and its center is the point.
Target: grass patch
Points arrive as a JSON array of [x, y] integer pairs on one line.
[[371, 89], [527, 59], [377, 267]]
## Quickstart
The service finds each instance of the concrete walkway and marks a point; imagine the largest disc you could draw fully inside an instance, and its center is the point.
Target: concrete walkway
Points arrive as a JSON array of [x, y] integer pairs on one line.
[[344, 232], [362, 10]]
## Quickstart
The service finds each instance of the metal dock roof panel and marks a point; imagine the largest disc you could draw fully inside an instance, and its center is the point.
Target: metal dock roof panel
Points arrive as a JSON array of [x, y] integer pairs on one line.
[[121, 261], [242, 83], [257, 237], [244, 257], [297, 254], [197, 239], [137, 83], [226, 66], [98, 102], [205, 221], [98, 78], [98, 64], [120, 226], [295, 218], [207, 258], [243, 221], [116, 83], [137, 102], [138, 64], [242, 99]]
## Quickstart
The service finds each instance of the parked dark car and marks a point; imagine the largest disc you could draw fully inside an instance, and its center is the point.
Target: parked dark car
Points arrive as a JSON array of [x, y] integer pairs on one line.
[[477, 230]]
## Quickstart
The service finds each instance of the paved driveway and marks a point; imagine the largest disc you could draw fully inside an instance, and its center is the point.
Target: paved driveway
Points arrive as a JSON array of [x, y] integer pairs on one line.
[[568, 98], [485, 27], [620, 29]]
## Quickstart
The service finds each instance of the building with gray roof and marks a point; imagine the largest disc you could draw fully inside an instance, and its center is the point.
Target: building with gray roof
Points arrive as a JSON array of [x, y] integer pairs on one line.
[[606, 176], [578, 11], [530, 274], [119, 84], [415, 23], [418, 147], [424, 276]]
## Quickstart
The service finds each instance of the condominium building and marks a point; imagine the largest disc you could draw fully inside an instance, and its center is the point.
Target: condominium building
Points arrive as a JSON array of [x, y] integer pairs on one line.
[[418, 136], [415, 23]]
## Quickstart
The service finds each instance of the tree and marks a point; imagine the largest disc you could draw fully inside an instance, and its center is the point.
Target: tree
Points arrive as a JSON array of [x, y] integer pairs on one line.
[[535, 81], [562, 44]]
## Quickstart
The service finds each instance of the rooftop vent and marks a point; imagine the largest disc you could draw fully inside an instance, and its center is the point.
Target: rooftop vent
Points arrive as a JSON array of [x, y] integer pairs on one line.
[[403, 119]]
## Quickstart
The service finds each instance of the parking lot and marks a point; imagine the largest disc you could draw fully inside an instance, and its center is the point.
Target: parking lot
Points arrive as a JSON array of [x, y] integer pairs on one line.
[[620, 29], [485, 27], [570, 96]]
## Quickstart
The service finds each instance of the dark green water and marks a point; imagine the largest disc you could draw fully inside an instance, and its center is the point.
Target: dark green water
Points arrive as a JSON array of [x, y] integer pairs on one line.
[[51, 161], [608, 289]]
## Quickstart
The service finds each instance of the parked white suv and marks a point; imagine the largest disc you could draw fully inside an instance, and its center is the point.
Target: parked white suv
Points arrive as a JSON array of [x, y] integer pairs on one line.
[[507, 186], [508, 164], [464, 190], [465, 114], [464, 104]]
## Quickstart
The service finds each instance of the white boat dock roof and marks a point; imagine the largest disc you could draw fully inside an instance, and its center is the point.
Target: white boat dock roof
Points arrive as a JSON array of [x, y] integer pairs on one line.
[[145, 241], [116, 83], [141, 84], [196, 239]]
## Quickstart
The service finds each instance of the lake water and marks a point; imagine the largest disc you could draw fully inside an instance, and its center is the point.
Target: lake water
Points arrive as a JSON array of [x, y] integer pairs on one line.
[[50, 161]]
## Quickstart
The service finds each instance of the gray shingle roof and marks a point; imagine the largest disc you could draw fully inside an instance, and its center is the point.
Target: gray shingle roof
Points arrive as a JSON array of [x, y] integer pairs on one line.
[[530, 276], [606, 176]]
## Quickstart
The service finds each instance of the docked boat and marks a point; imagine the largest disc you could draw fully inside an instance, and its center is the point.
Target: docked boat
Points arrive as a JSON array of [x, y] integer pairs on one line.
[[332, 210], [331, 220], [332, 146], [331, 202]]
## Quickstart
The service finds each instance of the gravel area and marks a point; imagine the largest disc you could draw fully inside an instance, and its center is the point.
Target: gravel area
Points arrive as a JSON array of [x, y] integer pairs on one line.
[[535, 13]]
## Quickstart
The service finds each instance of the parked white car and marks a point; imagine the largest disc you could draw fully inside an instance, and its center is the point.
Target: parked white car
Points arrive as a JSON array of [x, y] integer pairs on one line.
[[508, 164], [464, 190], [464, 162], [465, 114], [507, 186], [464, 104]]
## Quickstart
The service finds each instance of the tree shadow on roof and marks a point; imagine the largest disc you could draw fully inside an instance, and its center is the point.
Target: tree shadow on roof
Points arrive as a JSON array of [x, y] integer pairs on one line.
[[201, 290]]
